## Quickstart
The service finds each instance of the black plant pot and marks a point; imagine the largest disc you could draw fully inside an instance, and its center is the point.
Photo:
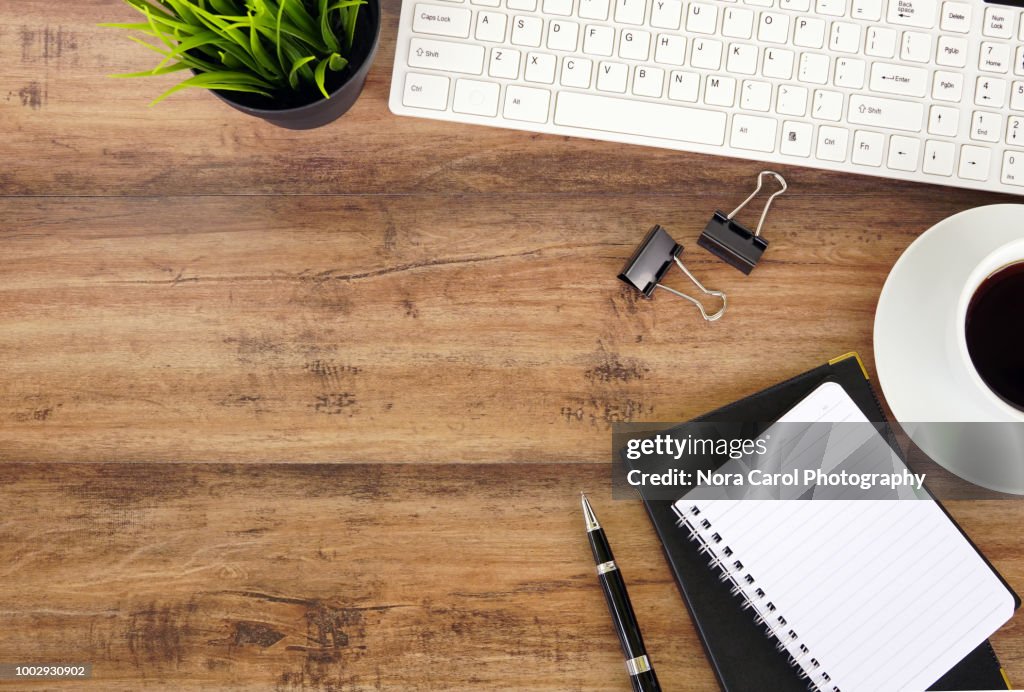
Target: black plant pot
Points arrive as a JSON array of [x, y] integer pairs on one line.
[[307, 111]]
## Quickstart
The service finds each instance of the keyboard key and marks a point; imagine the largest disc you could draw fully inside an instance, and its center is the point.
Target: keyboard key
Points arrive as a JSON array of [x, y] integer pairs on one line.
[[1017, 96], [813, 68], [896, 79], [792, 100], [594, 9], [719, 91], [948, 86], [990, 93], [868, 148], [1015, 130], [490, 26], [753, 133], [683, 86], [634, 45], [612, 76], [939, 157], [670, 50], [919, 13], [952, 52], [526, 31], [795, 5], [425, 91], [640, 118], [956, 16], [487, 3], [832, 143], [742, 59], [706, 54], [441, 21], [974, 162], [833, 8], [758, 3], [867, 10], [599, 40], [1013, 168], [445, 56], [648, 81], [903, 153], [701, 18], [522, 5], [756, 96], [885, 113], [1018, 66], [998, 22], [630, 11], [540, 67], [809, 33], [994, 57], [475, 98], [796, 139], [560, 7], [504, 63], [845, 37], [881, 42], [738, 23], [986, 127], [943, 121], [666, 14], [576, 72], [773, 28], [849, 73], [563, 35], [828, 105], [916, 47], [778, 63], [526, 103]]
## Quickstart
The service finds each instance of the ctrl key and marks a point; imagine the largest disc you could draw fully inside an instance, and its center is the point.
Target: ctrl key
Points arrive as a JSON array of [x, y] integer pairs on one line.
[[1013, 168], [425, 91]]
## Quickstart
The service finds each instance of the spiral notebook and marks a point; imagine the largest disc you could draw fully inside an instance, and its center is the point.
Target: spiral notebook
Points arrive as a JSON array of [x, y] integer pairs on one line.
[[861, 595]]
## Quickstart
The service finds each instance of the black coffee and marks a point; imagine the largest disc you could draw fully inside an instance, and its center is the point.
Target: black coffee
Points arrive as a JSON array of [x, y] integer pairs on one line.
[[995, 333]]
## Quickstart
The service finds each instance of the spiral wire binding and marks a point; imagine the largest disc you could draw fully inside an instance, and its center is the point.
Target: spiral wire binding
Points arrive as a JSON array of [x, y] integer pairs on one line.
[[754, 597]]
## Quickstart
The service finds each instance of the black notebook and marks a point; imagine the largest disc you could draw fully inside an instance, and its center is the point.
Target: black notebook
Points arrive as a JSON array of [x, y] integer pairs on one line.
[[746, 657]]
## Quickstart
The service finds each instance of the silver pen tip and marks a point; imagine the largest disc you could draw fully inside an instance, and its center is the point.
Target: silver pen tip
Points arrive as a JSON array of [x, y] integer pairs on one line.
[[588, 514]]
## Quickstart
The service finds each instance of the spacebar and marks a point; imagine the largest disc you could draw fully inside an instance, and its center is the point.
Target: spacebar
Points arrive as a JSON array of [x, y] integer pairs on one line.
[[641, 118]]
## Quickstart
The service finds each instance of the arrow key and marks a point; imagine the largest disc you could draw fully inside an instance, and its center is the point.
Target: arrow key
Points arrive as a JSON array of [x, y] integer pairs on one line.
[[974, 162], [944, 121], [990, 93], [1015, 130], [903, 153], [939, 157]]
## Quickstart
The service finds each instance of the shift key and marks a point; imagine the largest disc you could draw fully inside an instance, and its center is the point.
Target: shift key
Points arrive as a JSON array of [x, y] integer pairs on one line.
[[886, 113], [446, 56]]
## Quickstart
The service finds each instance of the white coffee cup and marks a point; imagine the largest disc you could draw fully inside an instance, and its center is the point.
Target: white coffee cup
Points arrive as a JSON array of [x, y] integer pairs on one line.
[[1004, 256]]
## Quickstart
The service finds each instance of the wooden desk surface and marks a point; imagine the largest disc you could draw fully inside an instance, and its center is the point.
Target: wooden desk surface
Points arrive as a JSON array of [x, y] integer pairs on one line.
[[426, 317]]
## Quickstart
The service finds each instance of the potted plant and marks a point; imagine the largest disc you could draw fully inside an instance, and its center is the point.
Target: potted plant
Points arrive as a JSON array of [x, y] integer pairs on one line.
[[295, 63]]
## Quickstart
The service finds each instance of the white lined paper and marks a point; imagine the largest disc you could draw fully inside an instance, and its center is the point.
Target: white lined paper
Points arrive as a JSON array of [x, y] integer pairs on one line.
[[884, 594]]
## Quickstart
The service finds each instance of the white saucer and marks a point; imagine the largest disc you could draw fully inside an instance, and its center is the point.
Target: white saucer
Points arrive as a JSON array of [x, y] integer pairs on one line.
[[922, 374]]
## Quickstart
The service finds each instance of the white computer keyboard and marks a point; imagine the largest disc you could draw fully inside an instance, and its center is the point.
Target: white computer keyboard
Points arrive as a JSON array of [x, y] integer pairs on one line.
[[919, 90]]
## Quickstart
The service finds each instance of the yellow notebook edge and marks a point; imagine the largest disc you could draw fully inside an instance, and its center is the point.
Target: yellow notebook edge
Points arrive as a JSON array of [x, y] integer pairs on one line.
[[852, 354]]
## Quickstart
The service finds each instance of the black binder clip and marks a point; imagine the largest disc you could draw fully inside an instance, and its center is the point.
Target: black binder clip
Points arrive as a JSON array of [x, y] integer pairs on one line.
[[651, 261], [732, 242]]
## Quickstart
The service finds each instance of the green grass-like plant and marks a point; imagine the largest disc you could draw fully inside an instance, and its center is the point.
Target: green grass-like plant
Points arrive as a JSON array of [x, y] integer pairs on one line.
[[265, 47]]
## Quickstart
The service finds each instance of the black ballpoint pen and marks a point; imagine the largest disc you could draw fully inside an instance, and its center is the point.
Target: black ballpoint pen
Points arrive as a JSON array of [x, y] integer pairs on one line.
[[641, 672]]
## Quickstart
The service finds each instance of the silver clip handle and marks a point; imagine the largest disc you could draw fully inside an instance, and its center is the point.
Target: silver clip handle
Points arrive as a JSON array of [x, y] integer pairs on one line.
[[767, 205], [705, 291]]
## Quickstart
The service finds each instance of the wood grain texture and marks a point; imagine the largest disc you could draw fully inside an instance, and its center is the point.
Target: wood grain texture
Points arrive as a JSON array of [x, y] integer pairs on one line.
[[182, 284]]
